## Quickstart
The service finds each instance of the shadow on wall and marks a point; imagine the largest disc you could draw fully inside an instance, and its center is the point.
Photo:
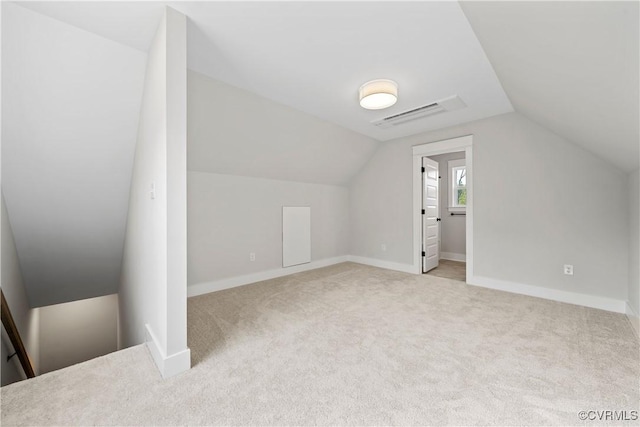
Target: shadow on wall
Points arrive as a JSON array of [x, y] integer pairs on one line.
[[77, 331], [67, 333]]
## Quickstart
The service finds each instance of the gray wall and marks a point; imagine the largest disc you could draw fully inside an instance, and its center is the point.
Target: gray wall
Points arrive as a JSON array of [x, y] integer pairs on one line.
[[235, 132], [248, 157], [77, 331], [634, 245], [25, 317], [144, 266], [230, 216], [539, 202], [153, 284], [452, 228], [68, 137]]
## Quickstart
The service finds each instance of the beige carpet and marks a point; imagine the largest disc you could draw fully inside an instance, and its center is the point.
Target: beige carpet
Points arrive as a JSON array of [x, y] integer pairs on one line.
[[356, 345], [455, 270]]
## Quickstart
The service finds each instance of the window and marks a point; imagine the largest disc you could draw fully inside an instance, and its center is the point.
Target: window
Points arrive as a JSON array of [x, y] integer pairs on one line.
[[457, 186]]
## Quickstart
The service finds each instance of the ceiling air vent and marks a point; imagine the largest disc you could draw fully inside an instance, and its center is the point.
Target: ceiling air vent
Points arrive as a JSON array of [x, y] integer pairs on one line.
[[448, 104]]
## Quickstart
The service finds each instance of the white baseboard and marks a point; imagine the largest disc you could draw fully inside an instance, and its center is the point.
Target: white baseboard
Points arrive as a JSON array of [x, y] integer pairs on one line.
[[602, 303], [389, 265], [167, 365], [451, 256], [634, 318], [232, 282]]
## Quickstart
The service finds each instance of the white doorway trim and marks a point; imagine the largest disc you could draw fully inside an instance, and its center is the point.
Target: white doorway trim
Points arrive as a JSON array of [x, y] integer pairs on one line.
[[463, 143]]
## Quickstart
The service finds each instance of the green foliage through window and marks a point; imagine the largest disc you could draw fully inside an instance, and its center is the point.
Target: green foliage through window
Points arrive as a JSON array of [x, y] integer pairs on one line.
[[462, 197], [460, 186]]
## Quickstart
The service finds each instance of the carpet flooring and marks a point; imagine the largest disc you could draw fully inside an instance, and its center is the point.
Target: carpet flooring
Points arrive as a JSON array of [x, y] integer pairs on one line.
[[356, 345], [448, 269]]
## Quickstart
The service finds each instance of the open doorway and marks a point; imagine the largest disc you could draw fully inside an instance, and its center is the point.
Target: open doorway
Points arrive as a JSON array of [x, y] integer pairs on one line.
[[446, 256], [443, 208]]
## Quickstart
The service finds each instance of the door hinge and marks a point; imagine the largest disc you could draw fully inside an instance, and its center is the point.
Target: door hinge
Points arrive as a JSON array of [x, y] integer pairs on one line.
[[423, 169], [422, 211], [438, 219], [424, 253]]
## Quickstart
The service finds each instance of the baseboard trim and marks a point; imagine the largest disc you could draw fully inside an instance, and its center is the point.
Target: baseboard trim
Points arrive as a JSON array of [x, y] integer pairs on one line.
[[233, 282], [167, 365], [451, 256], [634, 318], [602, 303], [389, 265]]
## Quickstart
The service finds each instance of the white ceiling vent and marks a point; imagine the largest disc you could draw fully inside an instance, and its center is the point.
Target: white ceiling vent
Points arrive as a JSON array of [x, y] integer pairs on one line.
[[448, 104]]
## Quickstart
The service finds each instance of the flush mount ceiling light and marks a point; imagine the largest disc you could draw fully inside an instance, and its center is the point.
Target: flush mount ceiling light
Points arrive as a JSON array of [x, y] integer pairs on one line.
[[378, 94]]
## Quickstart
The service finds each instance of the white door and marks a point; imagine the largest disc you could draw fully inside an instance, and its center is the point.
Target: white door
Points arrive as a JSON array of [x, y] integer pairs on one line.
[[430, 220], [296, 235]]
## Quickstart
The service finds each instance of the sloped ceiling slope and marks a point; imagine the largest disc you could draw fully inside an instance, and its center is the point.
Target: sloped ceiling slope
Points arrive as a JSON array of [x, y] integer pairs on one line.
[[313, 56], [572, 67], [70, 109], [236, 132], [132, 23]]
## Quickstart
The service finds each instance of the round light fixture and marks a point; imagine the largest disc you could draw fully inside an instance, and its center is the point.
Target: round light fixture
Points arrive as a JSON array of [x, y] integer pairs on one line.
[[378, 94]]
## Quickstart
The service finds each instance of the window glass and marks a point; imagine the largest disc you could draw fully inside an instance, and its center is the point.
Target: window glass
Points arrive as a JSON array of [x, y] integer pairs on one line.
[[461, 176], [457, 185], [462, 197]]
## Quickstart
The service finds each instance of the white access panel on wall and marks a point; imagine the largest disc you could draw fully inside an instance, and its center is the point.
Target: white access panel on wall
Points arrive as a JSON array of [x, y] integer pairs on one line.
[[296, 235]]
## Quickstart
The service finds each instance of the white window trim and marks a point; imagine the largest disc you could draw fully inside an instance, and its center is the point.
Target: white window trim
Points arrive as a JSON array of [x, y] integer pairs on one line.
[[454, 164]]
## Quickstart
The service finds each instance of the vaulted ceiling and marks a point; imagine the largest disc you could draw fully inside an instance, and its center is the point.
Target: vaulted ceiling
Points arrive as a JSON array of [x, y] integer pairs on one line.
[[70, 104], [68, 138], [570, 66], [313, 56]]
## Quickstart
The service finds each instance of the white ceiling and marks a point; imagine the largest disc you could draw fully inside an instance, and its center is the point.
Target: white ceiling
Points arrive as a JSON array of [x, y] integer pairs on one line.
[[313, 56], [570, 66], [70, 104], [132, 23]]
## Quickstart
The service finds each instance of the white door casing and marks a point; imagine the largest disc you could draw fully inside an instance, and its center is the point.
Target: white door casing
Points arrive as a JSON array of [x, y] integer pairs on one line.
[[452, 145], [430, 225]]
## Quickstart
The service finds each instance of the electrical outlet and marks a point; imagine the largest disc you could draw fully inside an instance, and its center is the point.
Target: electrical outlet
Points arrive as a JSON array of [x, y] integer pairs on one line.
[[568, 269], [252, 256], [383, 247]]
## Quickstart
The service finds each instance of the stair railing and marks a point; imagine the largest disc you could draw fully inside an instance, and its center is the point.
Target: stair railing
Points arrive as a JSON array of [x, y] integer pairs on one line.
[[14, 336]]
